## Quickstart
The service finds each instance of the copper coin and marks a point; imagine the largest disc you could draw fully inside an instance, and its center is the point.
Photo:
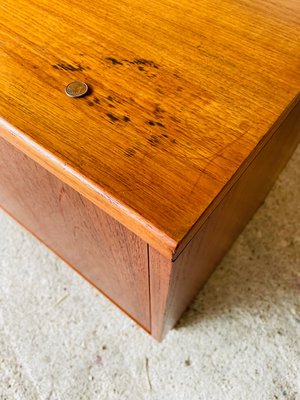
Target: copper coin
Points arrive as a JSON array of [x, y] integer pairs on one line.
[[76, 89]]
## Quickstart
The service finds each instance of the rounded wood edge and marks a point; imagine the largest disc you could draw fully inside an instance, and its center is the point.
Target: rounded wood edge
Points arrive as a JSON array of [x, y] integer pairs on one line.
[[106, 202]]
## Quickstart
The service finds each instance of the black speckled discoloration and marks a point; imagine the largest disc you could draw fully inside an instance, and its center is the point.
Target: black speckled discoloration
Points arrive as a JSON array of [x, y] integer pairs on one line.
[[174, 119], [130, 152], [155, 123], [112, 99], [153, 140], [114, 61], [159, 90], [112, 117], [126, 119], [69, 67], [142, 62]]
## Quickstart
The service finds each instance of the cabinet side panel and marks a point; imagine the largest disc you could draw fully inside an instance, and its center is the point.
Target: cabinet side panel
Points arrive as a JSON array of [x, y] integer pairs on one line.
[[111, 257], [174, 285]]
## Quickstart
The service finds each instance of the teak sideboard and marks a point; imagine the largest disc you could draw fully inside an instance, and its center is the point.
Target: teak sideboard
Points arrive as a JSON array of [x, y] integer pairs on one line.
[[142, 185]]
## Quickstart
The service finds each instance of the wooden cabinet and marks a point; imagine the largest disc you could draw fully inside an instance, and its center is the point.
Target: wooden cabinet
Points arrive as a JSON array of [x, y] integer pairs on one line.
[[143, 184]]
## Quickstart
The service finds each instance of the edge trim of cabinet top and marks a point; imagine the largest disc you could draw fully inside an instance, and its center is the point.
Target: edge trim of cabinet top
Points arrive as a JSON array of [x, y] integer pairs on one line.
[[115, 208]]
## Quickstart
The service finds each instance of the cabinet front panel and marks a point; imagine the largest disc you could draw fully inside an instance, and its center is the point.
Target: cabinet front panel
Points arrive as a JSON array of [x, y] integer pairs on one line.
[[97, 246]]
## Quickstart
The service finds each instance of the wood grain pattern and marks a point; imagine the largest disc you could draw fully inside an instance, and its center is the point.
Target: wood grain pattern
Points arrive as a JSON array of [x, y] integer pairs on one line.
[[112, 258], [174, 284], [183, 92]]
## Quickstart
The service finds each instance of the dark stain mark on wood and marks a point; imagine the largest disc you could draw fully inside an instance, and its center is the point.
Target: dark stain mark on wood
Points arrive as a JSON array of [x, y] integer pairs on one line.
[[175, 119], [159, 90], [114, 61], [153, 140], [69, 67], [142, 62], [158, 111], [165, 135], [155, 123], [174, 141], [90, 103], [112, 117], [130, 152], [113, 99], [96, 100]]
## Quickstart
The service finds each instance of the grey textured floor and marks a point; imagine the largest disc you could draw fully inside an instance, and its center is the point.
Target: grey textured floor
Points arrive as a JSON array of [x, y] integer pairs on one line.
[[240, 339]]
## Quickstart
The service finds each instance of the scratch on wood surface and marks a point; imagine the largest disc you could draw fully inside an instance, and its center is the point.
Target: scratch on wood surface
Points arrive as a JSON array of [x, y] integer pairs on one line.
[[213, 158]]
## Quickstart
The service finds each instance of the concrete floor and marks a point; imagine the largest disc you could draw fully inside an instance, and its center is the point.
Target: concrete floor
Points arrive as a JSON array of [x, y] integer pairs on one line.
[[240, 339]]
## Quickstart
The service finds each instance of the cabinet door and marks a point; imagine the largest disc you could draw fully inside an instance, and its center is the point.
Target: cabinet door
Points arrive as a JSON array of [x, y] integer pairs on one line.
[[106, 253]]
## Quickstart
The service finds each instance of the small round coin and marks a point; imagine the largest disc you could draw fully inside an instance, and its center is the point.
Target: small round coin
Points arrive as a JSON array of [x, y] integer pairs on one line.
[[76, 89]]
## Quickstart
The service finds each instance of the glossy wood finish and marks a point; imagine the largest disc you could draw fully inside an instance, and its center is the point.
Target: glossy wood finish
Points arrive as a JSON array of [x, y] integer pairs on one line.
[[101, 249], [174, 284], [184, 93], [143, 184]]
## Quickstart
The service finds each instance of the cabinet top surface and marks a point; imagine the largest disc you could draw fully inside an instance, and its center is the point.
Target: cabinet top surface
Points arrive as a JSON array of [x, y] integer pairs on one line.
[[181, 93]]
